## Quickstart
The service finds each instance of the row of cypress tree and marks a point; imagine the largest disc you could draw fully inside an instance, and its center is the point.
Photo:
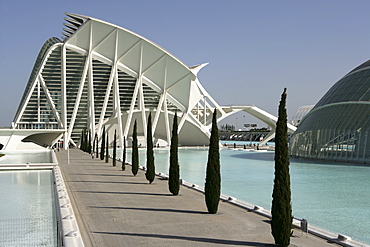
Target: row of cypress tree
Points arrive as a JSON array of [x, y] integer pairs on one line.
[[213, 178], [281, 210]]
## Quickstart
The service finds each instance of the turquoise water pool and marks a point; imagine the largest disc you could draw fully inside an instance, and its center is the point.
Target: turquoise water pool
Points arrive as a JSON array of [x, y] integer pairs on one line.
[[27, 210], [334, 197], [24, 157]]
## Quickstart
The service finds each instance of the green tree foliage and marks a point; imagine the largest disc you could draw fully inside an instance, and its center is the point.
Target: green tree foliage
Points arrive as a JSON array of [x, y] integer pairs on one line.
[[96, 145], [106, 149], [124, 154], [212, 189], [114, 148], [150, 168], [89, 142], [85, 143], [135, 152], [174, 172], [82, 140], [102, 148], [281, 210]]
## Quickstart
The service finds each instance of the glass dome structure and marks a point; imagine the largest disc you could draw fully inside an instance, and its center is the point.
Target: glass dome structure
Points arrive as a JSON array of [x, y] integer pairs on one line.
[[338, 127]]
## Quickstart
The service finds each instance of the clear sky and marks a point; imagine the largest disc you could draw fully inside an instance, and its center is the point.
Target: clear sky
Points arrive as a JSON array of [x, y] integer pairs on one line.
[[255, 48]]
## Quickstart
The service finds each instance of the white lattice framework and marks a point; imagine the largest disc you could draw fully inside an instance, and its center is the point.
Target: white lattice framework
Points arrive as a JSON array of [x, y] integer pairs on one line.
[[105, 75]]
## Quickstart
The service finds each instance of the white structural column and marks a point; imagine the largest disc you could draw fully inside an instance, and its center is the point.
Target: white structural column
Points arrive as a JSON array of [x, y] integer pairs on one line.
[[64, 96], [91, 105], [182, 121], [141, 91], [205, 111], [118, 111], [166, 120], [106, 98], [117, 95], [78, 97], [131, 111], [50, 100], [158, 112], [142, 105], [38, 101]]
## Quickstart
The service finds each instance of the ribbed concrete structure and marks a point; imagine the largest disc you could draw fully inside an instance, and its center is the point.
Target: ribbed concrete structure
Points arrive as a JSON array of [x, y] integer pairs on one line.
[[338, 127], [104, 75]]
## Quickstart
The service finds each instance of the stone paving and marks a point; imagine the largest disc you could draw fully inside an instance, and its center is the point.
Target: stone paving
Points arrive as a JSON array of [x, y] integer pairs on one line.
[[115, 208]]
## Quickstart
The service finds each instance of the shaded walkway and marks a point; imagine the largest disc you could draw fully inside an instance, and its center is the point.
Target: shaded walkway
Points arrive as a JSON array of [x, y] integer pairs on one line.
[[115, 208]]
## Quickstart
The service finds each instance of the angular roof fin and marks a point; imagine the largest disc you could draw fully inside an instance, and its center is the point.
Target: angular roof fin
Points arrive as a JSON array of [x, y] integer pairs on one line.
[[196, 68], [74, 23]]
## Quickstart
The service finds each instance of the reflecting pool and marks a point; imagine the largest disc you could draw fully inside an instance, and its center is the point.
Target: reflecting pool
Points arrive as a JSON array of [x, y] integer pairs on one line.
[[27, 210], [24, 157], [334, 197]]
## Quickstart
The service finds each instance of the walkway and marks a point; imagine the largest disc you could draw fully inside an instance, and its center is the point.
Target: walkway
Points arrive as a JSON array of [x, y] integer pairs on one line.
[[114, 208]]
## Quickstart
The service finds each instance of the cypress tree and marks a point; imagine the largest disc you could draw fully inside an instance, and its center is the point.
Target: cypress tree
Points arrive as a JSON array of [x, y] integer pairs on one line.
[[124, 154], [96, 145], [89, 142], [114, 148], [85, 141], [281, 210], [106, 149], [212, 189], [102, 148], [150, 169], [174, 173], [135, 152], [81, 139]]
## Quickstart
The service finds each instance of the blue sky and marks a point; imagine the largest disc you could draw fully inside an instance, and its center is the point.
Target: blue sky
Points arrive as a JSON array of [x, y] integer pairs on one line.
[[255, 48]]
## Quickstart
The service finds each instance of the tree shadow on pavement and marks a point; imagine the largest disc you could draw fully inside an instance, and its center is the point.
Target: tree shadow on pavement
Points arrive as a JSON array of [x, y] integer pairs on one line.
[[105, 175], [155, 209], [195, 239], [127, 193], [106, 182]]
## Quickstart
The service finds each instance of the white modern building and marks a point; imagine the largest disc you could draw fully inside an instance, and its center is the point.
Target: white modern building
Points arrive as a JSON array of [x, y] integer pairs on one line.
[[100, 75]]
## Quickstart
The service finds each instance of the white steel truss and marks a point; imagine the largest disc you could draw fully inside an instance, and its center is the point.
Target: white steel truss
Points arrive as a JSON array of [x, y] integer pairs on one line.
[[105, 75]]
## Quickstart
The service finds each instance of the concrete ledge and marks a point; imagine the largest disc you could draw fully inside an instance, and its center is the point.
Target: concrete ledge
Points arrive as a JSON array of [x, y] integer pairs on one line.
[[69, 232]]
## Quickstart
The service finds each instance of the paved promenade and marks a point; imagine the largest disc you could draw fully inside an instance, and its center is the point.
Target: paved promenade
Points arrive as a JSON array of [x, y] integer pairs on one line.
[[114, 208]]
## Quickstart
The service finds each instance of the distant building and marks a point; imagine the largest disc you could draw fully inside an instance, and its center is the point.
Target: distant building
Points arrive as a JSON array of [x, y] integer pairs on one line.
[[338, 127], [301, 112]]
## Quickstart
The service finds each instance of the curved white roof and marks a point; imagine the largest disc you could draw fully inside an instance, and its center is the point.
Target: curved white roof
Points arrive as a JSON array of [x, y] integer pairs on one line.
[[136, 56], [103, 74]]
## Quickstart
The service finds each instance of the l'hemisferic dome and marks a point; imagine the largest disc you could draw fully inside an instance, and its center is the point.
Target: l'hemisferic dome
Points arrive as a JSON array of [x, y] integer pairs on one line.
[[338, 127]]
